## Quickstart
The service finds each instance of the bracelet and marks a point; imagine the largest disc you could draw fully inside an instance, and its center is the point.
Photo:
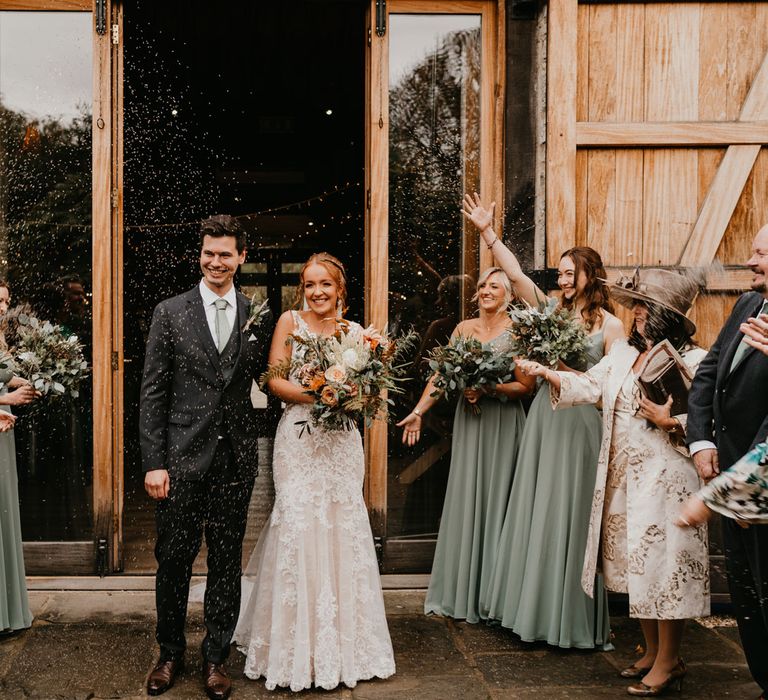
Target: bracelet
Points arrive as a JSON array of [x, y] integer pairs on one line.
[[676, 426], [495, 240], [417, 412]]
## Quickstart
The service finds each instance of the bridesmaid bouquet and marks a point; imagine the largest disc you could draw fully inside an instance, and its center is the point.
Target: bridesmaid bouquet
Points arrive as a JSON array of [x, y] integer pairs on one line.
[[464, 363], [348, 375], [50, 360], [547, 334]]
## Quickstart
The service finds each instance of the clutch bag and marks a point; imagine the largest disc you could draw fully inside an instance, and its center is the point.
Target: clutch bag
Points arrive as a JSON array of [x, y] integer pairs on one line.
[[664, 373]]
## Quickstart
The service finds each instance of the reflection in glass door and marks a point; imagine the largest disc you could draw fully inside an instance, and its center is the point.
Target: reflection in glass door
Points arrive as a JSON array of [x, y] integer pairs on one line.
[[436, 115], [46, 251]]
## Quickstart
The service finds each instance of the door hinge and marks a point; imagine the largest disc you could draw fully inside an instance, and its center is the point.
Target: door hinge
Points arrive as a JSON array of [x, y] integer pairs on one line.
[[114, 197], [368, 199], [381, 17], [369, 36], [101, 17], [102, 560], [115, 33], [115, 360]]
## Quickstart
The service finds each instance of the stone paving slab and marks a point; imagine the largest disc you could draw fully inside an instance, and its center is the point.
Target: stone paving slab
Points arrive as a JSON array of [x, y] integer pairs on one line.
[[87, 645]]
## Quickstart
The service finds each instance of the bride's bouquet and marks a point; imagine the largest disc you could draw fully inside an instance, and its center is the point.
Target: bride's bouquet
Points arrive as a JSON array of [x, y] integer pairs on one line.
[[348, 375], [547, 333], [464, 363]]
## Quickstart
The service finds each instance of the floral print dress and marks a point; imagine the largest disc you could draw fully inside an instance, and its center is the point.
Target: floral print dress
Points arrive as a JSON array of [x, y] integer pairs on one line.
[[662, 567], [741, 491]]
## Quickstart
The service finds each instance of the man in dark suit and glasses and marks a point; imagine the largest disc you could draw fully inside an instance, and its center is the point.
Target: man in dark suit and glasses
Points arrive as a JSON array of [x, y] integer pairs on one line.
[[727, 417], [199, 448]]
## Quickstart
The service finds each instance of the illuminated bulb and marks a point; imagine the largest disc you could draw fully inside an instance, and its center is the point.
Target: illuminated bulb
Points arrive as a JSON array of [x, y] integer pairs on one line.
[[329, 112]]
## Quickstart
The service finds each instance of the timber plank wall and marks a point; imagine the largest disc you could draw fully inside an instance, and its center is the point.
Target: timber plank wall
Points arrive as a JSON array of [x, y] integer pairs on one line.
[[662, 152]]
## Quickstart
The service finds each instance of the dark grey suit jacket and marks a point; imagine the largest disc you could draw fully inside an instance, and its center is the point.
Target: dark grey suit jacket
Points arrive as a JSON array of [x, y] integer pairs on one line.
[[731, 408], [186, 403]]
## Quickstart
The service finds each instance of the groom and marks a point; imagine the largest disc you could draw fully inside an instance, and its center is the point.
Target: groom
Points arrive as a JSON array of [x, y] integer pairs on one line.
[[199, 448]]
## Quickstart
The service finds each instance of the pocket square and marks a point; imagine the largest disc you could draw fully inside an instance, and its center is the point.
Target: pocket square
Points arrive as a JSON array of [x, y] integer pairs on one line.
[[251, 338]]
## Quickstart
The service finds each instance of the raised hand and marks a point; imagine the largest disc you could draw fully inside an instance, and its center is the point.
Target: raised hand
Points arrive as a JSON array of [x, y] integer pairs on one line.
[[755, 332], [474, 210]]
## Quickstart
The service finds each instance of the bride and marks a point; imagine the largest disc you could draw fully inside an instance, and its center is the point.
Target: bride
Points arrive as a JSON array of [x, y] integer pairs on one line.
[[315, 611]]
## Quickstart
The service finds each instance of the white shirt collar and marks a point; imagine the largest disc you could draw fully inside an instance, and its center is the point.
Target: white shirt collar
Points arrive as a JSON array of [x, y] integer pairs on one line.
[[209, 296]]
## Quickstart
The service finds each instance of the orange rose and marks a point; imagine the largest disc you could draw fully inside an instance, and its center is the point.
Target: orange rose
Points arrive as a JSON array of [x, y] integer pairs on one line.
[[328, 396]]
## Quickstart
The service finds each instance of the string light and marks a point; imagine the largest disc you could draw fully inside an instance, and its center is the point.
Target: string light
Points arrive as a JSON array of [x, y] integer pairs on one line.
[[337, 189]]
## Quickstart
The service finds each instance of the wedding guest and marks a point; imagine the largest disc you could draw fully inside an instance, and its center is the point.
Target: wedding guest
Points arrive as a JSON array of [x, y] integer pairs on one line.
[[483, 452], [727, 417], [14, 604], [644, 474], [741, 491], [535, 585]]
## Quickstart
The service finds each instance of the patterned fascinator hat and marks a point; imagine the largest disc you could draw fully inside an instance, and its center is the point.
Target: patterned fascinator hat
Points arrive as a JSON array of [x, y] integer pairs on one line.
[[669, 289]]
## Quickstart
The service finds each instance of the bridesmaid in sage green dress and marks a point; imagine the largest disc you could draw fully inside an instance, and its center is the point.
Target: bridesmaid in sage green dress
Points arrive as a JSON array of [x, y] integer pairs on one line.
[[483, 451], [535, 587], [14, 606]]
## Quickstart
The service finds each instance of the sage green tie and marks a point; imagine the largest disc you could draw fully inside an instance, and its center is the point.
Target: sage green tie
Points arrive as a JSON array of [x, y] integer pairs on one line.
[[222, 326], [742, 348]]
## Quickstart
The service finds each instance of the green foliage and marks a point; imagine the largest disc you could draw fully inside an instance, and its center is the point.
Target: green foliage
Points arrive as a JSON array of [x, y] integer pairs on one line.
[[465, 363], [547, 334]]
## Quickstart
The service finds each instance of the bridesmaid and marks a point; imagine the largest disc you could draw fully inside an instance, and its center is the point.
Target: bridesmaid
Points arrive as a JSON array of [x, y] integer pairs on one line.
[[535, 587], [14, 605], [483, 454]]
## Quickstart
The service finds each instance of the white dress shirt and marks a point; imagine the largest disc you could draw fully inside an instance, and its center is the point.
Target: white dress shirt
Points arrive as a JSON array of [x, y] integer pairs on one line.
[[209, 304]]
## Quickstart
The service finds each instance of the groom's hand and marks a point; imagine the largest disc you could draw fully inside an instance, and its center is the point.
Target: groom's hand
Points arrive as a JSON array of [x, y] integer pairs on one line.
[[157, 484]]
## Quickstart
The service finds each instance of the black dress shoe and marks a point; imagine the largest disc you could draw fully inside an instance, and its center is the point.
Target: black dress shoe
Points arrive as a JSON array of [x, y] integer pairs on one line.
[[163, 675], [218, 686]]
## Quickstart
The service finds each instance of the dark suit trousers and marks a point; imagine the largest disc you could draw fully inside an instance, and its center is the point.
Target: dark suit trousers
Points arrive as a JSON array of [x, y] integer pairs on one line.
[[746, 558], [216, 504]]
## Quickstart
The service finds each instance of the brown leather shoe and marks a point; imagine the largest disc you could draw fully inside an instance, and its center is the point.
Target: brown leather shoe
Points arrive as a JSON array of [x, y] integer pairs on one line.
[[163, 675], [218, 686]]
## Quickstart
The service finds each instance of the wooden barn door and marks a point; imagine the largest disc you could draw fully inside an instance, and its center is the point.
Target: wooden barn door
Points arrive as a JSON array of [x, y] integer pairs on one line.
[[656, 138]]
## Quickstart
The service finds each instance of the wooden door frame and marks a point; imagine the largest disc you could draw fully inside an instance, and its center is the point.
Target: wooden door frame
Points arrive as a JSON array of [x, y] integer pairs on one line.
[[85, 557], [377, 182]]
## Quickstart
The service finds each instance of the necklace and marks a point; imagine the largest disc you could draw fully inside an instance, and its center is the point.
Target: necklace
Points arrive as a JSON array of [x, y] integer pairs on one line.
[[489, 327]]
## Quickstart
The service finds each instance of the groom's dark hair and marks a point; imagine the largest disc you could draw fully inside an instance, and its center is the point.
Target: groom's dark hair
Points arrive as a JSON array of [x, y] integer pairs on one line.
[[223, 225]]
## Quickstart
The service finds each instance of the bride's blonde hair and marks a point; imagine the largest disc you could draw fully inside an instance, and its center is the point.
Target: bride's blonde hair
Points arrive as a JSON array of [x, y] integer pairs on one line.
[[335, 269]]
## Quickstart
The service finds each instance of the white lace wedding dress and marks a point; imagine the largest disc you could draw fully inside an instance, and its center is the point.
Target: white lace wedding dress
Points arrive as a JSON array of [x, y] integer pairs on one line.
[[314, 614]]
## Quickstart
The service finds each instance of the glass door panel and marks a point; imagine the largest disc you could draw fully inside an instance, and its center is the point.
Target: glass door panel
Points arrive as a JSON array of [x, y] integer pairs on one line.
[[45, 251], [434, 157]]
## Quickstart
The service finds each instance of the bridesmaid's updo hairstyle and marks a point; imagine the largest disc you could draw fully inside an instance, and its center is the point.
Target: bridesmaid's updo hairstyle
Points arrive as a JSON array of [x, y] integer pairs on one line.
[[505, 281], [336, 271], [595, 292]]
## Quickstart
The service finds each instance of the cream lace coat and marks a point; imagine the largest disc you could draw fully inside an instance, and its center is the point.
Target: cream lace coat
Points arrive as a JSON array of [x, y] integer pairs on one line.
[[663, 568]]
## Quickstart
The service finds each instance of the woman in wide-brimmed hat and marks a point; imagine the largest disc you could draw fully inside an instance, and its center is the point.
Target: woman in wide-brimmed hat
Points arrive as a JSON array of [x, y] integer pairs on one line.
[[643, 477]]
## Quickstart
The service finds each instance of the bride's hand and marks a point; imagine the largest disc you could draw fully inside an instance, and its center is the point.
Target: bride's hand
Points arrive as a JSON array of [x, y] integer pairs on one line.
[[474, 210], [411, 426]]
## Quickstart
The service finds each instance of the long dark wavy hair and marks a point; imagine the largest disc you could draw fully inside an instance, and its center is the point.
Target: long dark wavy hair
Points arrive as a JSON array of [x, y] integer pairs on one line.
[[595, 292], [662, 324]]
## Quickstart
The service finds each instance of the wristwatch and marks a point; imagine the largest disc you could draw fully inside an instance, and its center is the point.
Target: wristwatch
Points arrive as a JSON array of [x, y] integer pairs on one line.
[[417, 412]]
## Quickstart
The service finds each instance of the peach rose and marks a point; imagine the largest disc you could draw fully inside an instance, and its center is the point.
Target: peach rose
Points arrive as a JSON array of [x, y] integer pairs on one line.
[[328, 396], [336, 373]]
